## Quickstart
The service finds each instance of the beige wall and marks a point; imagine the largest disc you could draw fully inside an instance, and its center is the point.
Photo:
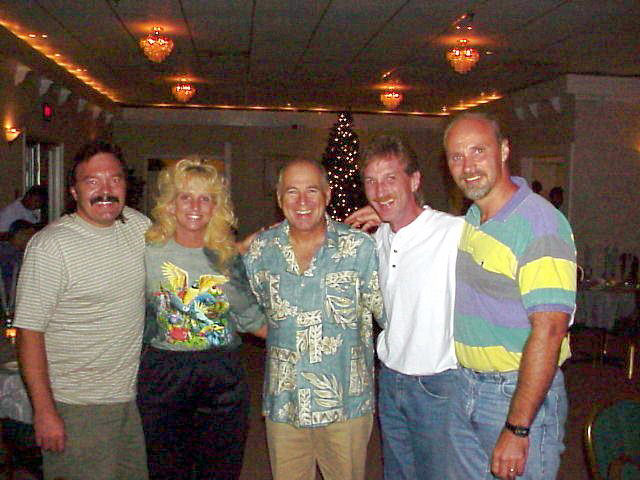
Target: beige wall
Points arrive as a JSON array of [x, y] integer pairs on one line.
[[593, 123], [253, 147], [534, 126], [606, 182], [21, 106]]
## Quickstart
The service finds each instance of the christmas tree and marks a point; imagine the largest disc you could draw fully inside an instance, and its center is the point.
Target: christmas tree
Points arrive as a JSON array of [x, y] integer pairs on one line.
[[341, 161]]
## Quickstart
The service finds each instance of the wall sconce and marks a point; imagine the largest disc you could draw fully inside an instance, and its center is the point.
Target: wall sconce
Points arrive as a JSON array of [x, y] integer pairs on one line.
[[11, 133]]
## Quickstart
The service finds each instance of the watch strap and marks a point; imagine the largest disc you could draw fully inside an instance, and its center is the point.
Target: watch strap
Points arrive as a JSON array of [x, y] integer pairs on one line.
[[517, 430]]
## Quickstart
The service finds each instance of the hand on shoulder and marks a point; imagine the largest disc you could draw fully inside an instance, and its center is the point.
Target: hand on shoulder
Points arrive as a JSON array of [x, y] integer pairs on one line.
[[365, 219]]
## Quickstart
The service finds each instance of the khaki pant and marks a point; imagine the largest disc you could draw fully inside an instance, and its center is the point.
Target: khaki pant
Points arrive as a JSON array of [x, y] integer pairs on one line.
[[104, 442], [340, 450]]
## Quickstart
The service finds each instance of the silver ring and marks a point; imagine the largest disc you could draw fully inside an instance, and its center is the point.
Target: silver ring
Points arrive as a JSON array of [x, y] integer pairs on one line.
[[512, 470]]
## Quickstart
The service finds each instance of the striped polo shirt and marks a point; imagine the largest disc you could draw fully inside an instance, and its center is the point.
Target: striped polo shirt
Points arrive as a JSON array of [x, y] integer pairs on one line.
[[520, 261], [83, 286]]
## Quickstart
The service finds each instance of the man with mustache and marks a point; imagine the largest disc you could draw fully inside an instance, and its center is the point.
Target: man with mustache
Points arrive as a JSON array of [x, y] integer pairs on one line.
[[417, 249], [80, 313], [515, 295]]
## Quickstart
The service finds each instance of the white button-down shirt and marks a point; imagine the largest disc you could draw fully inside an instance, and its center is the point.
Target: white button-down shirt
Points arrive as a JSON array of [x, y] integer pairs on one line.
[[417, 279]]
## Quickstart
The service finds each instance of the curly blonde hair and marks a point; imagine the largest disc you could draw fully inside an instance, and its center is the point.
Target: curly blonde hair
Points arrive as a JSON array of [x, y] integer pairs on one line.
[[195, 171]]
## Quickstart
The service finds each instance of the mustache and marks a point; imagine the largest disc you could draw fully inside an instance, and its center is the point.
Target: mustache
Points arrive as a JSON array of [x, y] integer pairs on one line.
[[104, 198]]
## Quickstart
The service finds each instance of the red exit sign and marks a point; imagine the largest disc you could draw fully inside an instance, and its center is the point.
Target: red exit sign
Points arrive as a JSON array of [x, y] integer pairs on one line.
[[47, 112]]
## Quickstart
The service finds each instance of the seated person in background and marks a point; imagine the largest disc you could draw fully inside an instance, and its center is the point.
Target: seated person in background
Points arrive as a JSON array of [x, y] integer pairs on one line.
[[556, 197], [536, 186], [192, 393], [25, 208], [11, 253]]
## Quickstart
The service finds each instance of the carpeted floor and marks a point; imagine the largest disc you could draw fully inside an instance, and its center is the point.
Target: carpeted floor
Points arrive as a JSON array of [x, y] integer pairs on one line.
[[587, 384]]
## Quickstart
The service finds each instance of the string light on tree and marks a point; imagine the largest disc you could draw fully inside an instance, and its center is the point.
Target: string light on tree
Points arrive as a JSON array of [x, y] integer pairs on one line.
[[341, 161]]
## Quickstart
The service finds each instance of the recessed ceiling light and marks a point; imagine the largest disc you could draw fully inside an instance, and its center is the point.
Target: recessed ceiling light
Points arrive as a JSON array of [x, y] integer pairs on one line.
[[44, 35], [57, 54], [488, 52]]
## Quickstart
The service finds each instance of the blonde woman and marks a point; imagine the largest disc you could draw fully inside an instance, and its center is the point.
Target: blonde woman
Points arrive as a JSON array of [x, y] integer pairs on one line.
[[192, 393]]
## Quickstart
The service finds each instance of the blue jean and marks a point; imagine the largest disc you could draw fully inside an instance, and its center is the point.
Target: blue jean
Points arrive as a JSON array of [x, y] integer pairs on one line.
[[413, 411], [480, 404]]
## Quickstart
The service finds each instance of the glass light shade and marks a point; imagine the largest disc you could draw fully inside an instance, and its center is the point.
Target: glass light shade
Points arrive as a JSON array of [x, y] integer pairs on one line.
[[156, 46], [391, 99], [462, 57], [183, 91]]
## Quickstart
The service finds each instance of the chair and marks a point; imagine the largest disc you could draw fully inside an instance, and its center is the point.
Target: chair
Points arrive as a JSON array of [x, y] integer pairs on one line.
[[628, 331], [18, 440], [624, 468], [612, 440]]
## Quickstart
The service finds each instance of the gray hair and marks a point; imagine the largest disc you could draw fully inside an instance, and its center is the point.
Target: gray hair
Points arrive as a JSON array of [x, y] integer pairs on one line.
[[312, 163]]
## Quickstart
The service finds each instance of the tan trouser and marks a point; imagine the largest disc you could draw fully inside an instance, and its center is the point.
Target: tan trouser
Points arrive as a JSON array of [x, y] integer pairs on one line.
[[340, 450]]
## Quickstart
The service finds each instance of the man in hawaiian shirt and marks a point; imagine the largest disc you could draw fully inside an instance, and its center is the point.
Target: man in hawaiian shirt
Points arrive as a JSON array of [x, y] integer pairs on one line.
[[318, 283]]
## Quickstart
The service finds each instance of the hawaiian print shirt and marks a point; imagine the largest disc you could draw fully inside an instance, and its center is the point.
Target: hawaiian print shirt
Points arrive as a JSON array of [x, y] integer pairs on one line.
[[319, 347]]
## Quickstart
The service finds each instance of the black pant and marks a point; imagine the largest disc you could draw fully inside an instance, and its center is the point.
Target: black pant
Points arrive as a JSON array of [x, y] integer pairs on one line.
[[194, 408]]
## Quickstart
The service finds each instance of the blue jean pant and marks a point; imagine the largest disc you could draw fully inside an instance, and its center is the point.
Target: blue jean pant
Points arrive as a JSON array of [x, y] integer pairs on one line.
[[480, 404], [413, 411]]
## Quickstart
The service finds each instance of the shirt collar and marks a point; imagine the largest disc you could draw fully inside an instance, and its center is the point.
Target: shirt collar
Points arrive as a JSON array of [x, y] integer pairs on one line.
[[330, 244], [473, 215], [331, 239]]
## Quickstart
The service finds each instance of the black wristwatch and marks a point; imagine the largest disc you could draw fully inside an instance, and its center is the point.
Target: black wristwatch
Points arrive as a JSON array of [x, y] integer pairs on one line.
[[517, 429]]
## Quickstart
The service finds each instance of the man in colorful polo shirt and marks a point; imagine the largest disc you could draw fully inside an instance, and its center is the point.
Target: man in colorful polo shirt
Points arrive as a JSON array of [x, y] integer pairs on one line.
[[318, 283], [515, 295]]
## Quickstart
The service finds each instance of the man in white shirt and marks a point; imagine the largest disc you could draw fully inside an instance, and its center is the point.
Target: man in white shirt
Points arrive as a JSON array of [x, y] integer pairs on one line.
[[417, 248]]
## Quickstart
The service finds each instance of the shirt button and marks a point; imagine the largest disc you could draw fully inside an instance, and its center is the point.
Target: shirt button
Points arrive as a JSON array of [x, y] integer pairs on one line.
[[395, 251], [393, 266]]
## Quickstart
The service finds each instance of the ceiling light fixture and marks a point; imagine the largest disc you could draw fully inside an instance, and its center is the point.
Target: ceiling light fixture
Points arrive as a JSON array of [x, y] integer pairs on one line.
[[392, 87], [183, 91], [462, 57], [391, 98], [156, 46]]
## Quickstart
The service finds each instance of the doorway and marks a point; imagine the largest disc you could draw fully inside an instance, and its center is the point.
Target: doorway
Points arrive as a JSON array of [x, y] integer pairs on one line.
[[43, 165]]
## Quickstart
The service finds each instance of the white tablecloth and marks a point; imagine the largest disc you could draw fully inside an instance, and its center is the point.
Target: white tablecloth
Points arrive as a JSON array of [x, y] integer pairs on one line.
[[14, 401], [601, 307]]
